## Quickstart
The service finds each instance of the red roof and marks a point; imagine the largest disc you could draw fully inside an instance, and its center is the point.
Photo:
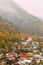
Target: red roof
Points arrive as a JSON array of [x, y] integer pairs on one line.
[[24, 55]]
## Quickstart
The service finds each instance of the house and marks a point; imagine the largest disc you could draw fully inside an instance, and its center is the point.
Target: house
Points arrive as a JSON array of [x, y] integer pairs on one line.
[[30, 53], [29, 40], [37, 55], [24, 61]]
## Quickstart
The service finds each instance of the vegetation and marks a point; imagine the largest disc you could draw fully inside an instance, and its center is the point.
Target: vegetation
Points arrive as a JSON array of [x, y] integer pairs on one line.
[[8, 34]]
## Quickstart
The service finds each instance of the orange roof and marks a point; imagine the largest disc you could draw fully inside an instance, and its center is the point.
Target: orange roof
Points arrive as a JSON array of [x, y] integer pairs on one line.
[[24, 55]]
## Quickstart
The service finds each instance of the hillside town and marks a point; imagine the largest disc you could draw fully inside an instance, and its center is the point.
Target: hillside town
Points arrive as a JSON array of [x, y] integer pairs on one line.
[[21, 32], [28, 52]]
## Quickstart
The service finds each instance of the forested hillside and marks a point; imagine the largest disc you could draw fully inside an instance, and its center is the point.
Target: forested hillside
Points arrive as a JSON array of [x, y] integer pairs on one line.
[[24, 21]]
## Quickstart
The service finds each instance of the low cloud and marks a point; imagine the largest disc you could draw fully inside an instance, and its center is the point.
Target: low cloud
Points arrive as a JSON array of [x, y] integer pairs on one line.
[[6, 6]]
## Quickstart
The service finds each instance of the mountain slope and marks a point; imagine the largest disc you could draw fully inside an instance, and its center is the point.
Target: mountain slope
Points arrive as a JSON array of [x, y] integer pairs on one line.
[[8, 32], [24, 21]]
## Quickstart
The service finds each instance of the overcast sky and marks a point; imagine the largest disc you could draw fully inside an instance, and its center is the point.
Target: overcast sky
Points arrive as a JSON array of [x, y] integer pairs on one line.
[[34, 7]]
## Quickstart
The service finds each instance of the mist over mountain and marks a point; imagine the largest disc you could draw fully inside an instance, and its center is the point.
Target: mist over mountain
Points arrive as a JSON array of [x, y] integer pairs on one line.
[[24, 21]]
